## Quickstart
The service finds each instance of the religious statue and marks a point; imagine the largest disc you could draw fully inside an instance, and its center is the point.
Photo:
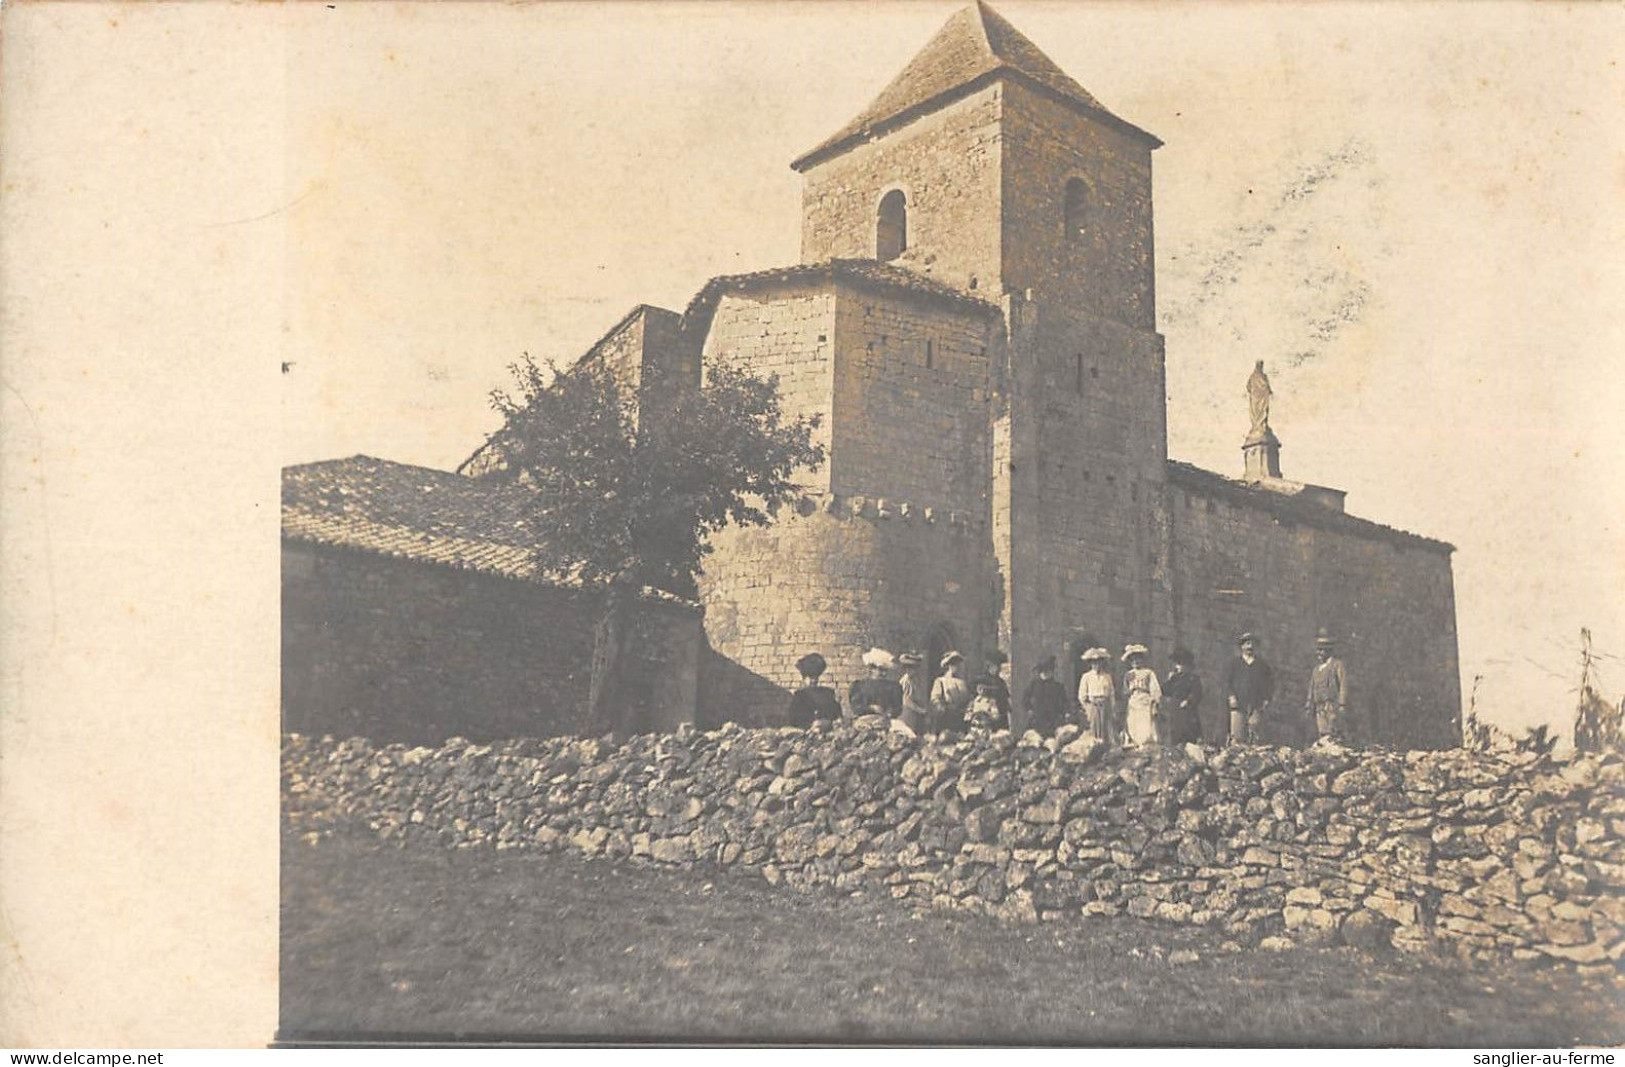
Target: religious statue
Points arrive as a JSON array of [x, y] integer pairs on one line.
[[1258, 399]]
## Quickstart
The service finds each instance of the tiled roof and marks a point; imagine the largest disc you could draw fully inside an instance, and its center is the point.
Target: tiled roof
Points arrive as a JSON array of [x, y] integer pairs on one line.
[[411, 512], [865, 273], [976, 45], [1293, 509], [417, 513]]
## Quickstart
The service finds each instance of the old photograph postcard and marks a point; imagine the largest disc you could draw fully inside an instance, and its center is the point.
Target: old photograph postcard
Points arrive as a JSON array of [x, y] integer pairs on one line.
[[839, 523]]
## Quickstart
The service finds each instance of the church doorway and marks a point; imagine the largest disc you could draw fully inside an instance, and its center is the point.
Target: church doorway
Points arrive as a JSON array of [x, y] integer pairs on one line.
[[938, 643]]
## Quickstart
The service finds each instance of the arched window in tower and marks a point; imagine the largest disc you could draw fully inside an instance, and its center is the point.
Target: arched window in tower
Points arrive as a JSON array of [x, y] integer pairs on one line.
[[891, 228], [1077, 209]]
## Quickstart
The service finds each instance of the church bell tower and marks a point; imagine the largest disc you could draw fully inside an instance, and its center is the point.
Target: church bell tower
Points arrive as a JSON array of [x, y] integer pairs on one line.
[[986, 167]]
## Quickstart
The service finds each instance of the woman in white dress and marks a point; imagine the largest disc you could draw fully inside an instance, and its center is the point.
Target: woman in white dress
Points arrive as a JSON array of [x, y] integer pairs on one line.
[[916, 701], [1141, 693], [1097, 695], [950, 696]]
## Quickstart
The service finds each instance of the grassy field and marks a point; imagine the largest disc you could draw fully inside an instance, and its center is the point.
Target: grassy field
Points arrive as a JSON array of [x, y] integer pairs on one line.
[[379, 941]]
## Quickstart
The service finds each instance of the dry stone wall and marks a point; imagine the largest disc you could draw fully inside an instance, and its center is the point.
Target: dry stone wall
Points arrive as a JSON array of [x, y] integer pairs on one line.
[[1490, 855]]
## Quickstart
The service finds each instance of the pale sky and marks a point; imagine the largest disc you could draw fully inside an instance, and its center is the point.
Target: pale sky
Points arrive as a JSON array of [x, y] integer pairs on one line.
[[1411, 213]]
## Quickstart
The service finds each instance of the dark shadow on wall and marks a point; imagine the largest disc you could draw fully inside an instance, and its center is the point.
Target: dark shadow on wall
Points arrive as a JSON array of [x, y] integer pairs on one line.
[[938, 643], [731, 693], [400, 651], [418, 701]]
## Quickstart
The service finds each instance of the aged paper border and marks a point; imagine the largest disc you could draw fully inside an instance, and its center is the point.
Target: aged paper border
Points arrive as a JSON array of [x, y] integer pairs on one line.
[[141, 287]]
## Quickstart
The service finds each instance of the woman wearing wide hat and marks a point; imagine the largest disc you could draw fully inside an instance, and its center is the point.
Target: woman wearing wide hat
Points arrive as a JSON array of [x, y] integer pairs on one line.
[[1097, 695], [950, 694], [813, 701], [877, 694]]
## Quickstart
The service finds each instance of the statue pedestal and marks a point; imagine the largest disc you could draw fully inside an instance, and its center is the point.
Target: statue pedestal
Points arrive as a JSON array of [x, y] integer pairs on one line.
[[1261, 455]]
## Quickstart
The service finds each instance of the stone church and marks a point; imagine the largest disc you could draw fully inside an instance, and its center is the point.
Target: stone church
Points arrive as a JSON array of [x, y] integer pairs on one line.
[[974, 318]]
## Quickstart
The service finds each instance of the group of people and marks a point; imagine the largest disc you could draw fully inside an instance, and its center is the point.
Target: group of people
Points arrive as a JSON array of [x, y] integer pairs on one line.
[[1139, 710], [950, 703]]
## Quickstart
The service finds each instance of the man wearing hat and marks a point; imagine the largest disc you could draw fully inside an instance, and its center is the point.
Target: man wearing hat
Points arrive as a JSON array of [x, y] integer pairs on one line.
[[1044, 702], [1248, 689], [877, 694], [1327, 704], [1097, 695], [950, 694], [812, 701]]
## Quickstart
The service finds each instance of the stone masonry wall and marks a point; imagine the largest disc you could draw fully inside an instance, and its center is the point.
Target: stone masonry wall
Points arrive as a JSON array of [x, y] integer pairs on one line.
[[1085, 417], [662, 664], [396, 650], [1487, 855], [788, 332], [911, 401], [890, 546], [948, 166], [623, 349], [1391, 606], [1090, 545], [1107, 270]]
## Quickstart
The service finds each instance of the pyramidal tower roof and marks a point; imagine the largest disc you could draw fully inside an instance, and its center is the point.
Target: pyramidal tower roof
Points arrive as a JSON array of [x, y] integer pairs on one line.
[[973, 48]]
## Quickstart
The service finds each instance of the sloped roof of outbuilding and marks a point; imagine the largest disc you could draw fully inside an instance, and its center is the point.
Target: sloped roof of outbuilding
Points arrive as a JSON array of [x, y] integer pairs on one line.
[[974, 47], [419, 514]]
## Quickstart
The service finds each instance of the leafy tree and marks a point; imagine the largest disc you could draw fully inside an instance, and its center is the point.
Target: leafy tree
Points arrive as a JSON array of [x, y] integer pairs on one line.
[[631, 481]]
